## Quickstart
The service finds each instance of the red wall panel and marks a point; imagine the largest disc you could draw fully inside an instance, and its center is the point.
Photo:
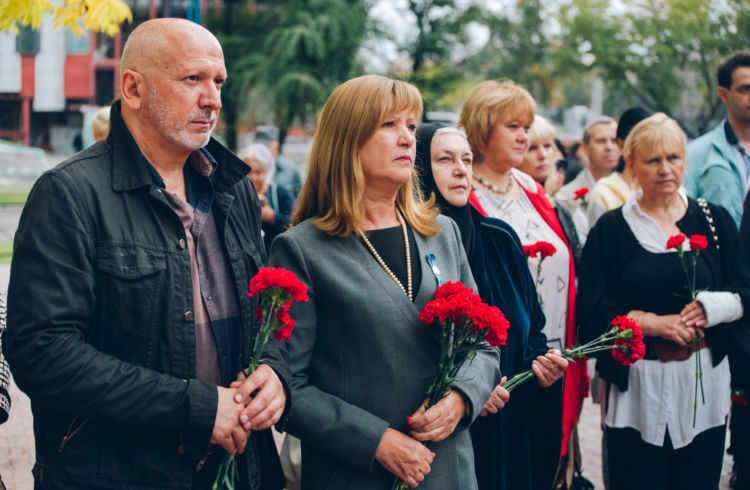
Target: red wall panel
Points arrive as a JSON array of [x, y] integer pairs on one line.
[[78, 79]]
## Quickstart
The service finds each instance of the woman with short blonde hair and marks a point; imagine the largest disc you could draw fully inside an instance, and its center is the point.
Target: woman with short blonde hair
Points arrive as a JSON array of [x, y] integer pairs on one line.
[[655, 133], [361, 358], [654, 407]]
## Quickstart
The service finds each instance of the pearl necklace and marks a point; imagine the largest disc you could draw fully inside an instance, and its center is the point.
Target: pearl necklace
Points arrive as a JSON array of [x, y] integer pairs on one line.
[[383, 264], [491, 187]]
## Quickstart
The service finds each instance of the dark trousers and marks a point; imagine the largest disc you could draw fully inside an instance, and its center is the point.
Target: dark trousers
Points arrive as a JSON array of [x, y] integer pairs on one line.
[[636, 464], [739, 435]]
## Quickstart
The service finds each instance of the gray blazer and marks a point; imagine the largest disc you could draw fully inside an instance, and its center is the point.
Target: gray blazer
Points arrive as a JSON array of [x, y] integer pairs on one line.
[[362, 360]]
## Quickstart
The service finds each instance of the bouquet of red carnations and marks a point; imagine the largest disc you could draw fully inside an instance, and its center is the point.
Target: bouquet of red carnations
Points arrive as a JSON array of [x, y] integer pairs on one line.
[[624, 339], [275, 288], [461, 322]]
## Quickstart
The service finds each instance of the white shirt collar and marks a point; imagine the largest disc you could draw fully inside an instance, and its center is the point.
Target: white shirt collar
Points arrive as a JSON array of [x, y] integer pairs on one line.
[[644, 227]]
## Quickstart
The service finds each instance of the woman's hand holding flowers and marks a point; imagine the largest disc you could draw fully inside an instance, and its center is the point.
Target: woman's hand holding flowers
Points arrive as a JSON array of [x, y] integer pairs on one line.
[[549, 367], [497, 400], [440, 420], [404, 457], [694, 315]]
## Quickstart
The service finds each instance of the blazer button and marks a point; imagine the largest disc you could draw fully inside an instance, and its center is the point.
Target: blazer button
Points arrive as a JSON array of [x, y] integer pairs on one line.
[[181, 243], [189, 316]]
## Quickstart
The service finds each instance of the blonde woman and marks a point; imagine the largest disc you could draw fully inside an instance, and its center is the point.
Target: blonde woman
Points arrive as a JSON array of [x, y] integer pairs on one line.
[[361, 357], [649, 406]]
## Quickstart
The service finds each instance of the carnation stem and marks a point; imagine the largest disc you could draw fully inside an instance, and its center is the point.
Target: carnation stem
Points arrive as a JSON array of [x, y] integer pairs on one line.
[[596, 345]]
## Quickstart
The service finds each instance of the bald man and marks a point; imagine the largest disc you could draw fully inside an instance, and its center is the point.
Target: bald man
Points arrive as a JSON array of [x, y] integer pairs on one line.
[[129, 318]]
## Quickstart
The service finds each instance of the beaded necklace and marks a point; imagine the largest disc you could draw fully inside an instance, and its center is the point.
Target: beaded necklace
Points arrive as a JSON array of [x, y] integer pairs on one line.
[[491, 187], [375, 253]]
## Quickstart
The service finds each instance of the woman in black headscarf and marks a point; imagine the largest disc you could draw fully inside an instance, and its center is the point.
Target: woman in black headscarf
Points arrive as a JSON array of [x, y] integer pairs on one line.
[[517, 447]]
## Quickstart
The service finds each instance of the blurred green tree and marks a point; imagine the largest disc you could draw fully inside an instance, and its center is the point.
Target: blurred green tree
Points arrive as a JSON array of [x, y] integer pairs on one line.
[[287, 57], [661, 54]]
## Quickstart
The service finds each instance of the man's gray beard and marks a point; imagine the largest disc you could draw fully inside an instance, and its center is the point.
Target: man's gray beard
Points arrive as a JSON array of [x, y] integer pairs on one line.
[[158, 113]]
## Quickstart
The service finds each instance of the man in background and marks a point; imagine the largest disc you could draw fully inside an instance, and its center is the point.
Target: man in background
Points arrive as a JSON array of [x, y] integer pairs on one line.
[[719, 161], [287, 174]]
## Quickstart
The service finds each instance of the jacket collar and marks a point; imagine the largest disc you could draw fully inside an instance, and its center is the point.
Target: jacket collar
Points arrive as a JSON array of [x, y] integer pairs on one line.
[[130, 168], [721, 144]]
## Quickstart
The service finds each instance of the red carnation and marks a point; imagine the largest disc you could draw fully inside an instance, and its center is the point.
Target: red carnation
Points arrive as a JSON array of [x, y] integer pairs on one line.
[[287, 325], [278, 277], [675, 242], [450, 289], [738, 398], [628, 350], [497, 324], [581, 192], [698, 242], [541, 247], [435, 310], [546, 249]]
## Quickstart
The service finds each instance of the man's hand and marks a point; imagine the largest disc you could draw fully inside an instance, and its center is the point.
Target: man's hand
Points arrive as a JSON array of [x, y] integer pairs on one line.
[[227, 432], [404, 457], [263, 397]]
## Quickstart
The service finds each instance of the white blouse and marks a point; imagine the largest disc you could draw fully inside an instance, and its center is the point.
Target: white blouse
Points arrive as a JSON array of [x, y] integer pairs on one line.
[[660, 395], [552, 283]]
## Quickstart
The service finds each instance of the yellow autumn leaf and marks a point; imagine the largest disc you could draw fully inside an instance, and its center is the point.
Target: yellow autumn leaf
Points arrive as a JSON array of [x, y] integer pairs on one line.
[[97, 15]]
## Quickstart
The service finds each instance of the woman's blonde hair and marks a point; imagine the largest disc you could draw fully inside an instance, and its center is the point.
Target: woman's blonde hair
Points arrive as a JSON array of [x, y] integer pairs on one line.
[[490, 103], [542, 129], [100, 123], [658, 132], [333, 192]]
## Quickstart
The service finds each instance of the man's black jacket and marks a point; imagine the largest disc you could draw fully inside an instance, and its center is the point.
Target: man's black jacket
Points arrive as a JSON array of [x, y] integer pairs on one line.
[[98, 334]]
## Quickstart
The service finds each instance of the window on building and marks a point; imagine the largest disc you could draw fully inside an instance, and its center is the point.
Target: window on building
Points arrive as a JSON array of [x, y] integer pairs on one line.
[[75, 44], [27, 40]]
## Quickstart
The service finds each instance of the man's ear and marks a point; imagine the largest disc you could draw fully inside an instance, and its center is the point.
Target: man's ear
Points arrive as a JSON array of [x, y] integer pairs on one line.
[[133, 89], [723, 93]]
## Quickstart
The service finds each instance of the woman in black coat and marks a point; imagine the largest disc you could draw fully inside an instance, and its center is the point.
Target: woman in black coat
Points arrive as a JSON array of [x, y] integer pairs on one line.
[[629, 268], [516, 446]]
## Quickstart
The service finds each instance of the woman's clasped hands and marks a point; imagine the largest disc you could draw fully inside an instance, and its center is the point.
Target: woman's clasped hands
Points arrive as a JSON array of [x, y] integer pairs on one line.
[[681, 328]]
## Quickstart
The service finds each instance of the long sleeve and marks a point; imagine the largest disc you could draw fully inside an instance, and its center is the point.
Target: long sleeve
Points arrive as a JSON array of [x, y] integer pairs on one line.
[[597, 301], [52, 300], [478, 376]]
